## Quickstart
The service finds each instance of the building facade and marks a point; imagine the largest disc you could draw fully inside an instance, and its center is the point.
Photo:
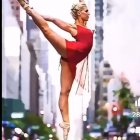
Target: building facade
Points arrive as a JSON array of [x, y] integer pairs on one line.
[[98, 52], [98, 36], [106, 74], [11, 40]]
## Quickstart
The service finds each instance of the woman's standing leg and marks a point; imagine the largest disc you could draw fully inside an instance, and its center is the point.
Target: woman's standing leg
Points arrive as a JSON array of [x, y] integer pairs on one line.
[[67, 77]]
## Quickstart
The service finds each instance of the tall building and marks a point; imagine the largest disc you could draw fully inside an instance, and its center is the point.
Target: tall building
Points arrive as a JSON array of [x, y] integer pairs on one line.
[[24, 56], [10, 61], [14, 22], [40, 99], [11, 49], [91, 108], [98, 37], [98, 47], [16, 11], [106, 73]]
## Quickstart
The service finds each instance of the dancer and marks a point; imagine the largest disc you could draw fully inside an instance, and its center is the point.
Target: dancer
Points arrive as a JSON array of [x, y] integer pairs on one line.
[[71, 52]]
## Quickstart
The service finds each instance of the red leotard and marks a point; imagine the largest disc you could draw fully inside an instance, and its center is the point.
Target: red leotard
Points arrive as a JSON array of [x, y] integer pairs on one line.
[[79, 49]]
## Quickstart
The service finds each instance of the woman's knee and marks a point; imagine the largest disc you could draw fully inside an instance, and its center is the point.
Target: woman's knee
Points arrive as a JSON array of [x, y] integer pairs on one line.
[[65, 92], [46, 30]]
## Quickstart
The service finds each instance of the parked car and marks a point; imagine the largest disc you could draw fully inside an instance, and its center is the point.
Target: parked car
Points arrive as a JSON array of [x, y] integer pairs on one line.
[[133, 131], [95, 134], [96, 131]]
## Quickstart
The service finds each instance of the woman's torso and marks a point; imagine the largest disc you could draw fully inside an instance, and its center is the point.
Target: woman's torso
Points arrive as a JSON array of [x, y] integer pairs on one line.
[[84, 39], [79, 49]]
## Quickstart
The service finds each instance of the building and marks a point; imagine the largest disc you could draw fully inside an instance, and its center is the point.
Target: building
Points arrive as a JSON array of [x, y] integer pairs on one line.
[[106, 74], [16, 11], [98, 37], [98, 52], [41, 100], [32, 34], [10, 62], [91, 23]]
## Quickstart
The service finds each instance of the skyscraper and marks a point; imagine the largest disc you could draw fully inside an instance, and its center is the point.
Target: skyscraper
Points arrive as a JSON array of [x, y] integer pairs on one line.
[[98, 46], [10, 58], [98, 37], [16, 11]]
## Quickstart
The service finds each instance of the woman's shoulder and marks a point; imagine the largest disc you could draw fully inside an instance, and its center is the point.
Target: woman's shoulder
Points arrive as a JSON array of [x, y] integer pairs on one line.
[[73, 29], [73, 26]]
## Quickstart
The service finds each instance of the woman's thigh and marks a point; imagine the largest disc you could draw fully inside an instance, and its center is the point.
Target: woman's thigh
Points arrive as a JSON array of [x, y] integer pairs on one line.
[[67, 76], [57, 41]]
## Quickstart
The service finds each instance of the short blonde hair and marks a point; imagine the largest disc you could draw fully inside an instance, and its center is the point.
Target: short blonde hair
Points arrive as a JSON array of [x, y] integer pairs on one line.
[[77, 7]]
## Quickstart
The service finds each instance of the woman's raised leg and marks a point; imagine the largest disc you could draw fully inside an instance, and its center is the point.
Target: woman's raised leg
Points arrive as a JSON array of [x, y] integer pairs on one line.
[[55, 39], [67, 77]]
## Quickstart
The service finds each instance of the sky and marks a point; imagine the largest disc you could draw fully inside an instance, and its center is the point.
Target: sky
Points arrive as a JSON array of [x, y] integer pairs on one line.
[[122, 41]]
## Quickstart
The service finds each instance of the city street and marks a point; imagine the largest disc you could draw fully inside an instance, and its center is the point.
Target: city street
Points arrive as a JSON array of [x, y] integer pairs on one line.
[[79, 66]]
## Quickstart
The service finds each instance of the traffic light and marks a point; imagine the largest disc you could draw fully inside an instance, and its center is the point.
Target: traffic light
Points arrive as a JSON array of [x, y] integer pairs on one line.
[[115, 110]]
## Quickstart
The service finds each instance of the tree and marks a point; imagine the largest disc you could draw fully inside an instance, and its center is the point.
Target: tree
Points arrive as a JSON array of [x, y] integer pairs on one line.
[[125, 101], [125, 97], [35, 124], [102, 117]]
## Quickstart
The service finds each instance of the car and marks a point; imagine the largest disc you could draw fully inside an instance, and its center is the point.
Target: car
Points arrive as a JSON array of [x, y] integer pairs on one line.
[[96, 131], [95, 134], [133, 130]]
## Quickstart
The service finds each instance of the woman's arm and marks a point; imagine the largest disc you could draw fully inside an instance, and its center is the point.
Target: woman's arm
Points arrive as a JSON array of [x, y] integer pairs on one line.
[[61, 24]]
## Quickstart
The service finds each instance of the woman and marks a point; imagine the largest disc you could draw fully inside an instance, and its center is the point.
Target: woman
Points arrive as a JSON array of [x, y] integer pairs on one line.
[[72, 52]]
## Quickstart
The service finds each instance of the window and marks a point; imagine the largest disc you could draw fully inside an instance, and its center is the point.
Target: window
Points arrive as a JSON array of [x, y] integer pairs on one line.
[[106, 65], [105, 89], [17, 7], [12, 2], [13, 7], [107, 72]]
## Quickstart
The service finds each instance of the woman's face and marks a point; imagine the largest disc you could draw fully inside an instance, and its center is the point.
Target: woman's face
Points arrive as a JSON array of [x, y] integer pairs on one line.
[[84, 14]]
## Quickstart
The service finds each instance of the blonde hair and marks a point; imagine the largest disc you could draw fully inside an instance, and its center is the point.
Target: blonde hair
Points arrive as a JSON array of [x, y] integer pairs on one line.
[[77, 7]]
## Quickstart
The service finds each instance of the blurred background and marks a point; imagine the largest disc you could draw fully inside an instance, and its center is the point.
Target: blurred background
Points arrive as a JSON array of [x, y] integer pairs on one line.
[[109, 110]]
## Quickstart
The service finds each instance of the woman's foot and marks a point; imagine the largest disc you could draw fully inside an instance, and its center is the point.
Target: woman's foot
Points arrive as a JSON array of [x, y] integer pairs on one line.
[[24, 4], [66, 128]]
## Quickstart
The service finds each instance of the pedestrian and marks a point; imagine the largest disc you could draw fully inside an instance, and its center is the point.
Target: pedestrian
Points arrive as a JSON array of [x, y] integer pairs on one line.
[[71, 52]]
